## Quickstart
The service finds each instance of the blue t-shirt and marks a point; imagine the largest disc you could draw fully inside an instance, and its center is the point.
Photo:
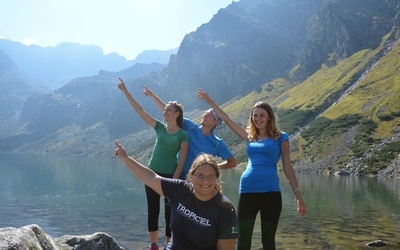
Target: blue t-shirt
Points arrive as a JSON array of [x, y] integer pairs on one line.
[[198, 224], [200, 143], [261, 173]]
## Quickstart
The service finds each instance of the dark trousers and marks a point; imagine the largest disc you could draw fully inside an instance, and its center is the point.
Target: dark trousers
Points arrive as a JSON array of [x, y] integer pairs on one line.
[[270, 206], [153, 210]]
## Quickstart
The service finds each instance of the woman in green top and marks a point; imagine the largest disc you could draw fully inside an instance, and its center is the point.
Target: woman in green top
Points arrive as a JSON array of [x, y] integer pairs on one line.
[[171, 139]]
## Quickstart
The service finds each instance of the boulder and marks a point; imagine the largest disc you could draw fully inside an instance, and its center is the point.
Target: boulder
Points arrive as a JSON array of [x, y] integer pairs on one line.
[[33, 237], [341, 173], [376, 243]]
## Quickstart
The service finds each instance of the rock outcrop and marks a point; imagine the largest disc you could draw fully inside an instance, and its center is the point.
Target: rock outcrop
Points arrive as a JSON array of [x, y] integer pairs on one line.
[[33, 237]]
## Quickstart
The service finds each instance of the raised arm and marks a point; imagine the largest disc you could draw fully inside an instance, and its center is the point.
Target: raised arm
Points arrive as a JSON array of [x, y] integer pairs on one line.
[[136, 106], [146, 175], [156, 99], [241, 132]]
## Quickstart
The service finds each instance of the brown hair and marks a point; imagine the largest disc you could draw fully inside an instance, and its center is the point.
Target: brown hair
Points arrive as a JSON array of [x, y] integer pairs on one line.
[[272, 129], [178, 108], [205, 159]]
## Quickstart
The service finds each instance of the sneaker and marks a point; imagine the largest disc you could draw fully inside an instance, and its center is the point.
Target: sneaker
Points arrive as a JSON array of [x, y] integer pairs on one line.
[[153, 246]]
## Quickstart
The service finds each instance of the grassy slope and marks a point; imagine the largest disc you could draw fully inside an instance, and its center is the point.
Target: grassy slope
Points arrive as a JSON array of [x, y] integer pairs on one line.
[[314, 91], [375, 98]]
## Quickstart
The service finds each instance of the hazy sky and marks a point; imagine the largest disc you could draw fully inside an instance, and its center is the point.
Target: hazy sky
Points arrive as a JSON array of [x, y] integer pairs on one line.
[[124, 26]]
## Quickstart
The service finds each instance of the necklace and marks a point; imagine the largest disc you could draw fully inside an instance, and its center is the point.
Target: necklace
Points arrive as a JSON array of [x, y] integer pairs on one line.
[[262, 137], [172, 130]]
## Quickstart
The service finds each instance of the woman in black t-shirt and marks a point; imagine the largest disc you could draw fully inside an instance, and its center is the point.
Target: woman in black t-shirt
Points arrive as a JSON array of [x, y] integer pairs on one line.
[[202, 217]]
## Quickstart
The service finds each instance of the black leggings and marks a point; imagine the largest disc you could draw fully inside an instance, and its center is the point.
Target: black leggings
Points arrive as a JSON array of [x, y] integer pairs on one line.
[[153, 210], [270, 206]]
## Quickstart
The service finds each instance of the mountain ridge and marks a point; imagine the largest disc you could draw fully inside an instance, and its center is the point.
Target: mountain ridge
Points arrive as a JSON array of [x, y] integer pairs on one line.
[[53, 67]]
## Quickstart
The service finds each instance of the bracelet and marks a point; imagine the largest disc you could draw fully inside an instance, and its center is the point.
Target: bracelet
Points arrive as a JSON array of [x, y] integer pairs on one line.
[[296, 189]]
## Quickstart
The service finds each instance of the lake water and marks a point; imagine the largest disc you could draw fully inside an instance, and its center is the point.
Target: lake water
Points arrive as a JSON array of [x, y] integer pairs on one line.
[[78, 196]]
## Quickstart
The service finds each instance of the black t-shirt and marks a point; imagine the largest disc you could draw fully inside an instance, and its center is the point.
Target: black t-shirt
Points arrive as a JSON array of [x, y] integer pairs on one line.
[[198, 224]]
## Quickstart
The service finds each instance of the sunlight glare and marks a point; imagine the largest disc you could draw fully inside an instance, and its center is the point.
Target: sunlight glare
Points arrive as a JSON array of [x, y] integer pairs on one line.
[[28, 41]]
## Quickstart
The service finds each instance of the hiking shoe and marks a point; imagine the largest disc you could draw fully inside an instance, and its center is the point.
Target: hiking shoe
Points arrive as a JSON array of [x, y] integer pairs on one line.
[[153, 246]]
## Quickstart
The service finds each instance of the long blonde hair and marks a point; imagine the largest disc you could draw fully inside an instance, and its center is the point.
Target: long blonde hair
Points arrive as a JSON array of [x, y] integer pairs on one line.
[[205, 159], [272, 129]]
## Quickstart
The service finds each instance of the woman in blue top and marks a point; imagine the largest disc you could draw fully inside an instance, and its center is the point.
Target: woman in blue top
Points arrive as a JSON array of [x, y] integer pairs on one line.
[[171, 139], [201, 137], [259, 184]]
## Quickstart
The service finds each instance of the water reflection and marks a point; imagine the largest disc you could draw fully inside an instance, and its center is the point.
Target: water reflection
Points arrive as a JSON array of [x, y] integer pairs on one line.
[[83, 196], [345, 213]]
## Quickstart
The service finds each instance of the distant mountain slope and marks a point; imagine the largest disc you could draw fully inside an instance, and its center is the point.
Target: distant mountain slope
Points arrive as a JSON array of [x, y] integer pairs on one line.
[[341, 28], [252, 42], [15, 87], [154, 56], [54, 67], [243, 46], [84, 102]]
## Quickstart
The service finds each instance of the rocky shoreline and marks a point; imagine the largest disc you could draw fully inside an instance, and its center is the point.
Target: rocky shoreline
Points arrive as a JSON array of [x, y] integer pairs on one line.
[[33, 237], [354, 165]]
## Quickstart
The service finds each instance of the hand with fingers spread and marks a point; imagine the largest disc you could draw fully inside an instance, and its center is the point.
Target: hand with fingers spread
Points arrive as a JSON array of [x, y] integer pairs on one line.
[[202, 94]]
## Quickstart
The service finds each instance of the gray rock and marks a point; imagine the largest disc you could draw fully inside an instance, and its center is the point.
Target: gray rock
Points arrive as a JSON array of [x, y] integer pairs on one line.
[[376, 243], [33, 237], [341, 173]]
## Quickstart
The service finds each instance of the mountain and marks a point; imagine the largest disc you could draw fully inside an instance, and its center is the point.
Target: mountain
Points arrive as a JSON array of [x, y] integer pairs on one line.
[[329, 68], [341, 28], [253, 42], [53, 67], [15, 87], [154, 56], [36, 72], [342, 118], [243, 46]]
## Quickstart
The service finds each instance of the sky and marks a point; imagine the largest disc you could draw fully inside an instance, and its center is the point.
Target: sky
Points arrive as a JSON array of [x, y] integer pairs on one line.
[[126, 27]]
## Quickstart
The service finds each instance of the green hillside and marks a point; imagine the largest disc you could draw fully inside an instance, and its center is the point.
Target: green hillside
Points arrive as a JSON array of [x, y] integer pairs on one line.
[[344, 113]]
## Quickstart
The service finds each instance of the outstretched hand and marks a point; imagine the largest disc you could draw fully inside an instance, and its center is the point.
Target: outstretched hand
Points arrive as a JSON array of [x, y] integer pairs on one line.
[[202, 94], [122, 86], [119, 151], [147, 91]]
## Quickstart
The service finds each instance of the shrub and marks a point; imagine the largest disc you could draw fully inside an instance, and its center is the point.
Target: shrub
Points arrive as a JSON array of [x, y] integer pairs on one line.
[[383, 157], [291, 120], [385, 117], [323, 127]]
